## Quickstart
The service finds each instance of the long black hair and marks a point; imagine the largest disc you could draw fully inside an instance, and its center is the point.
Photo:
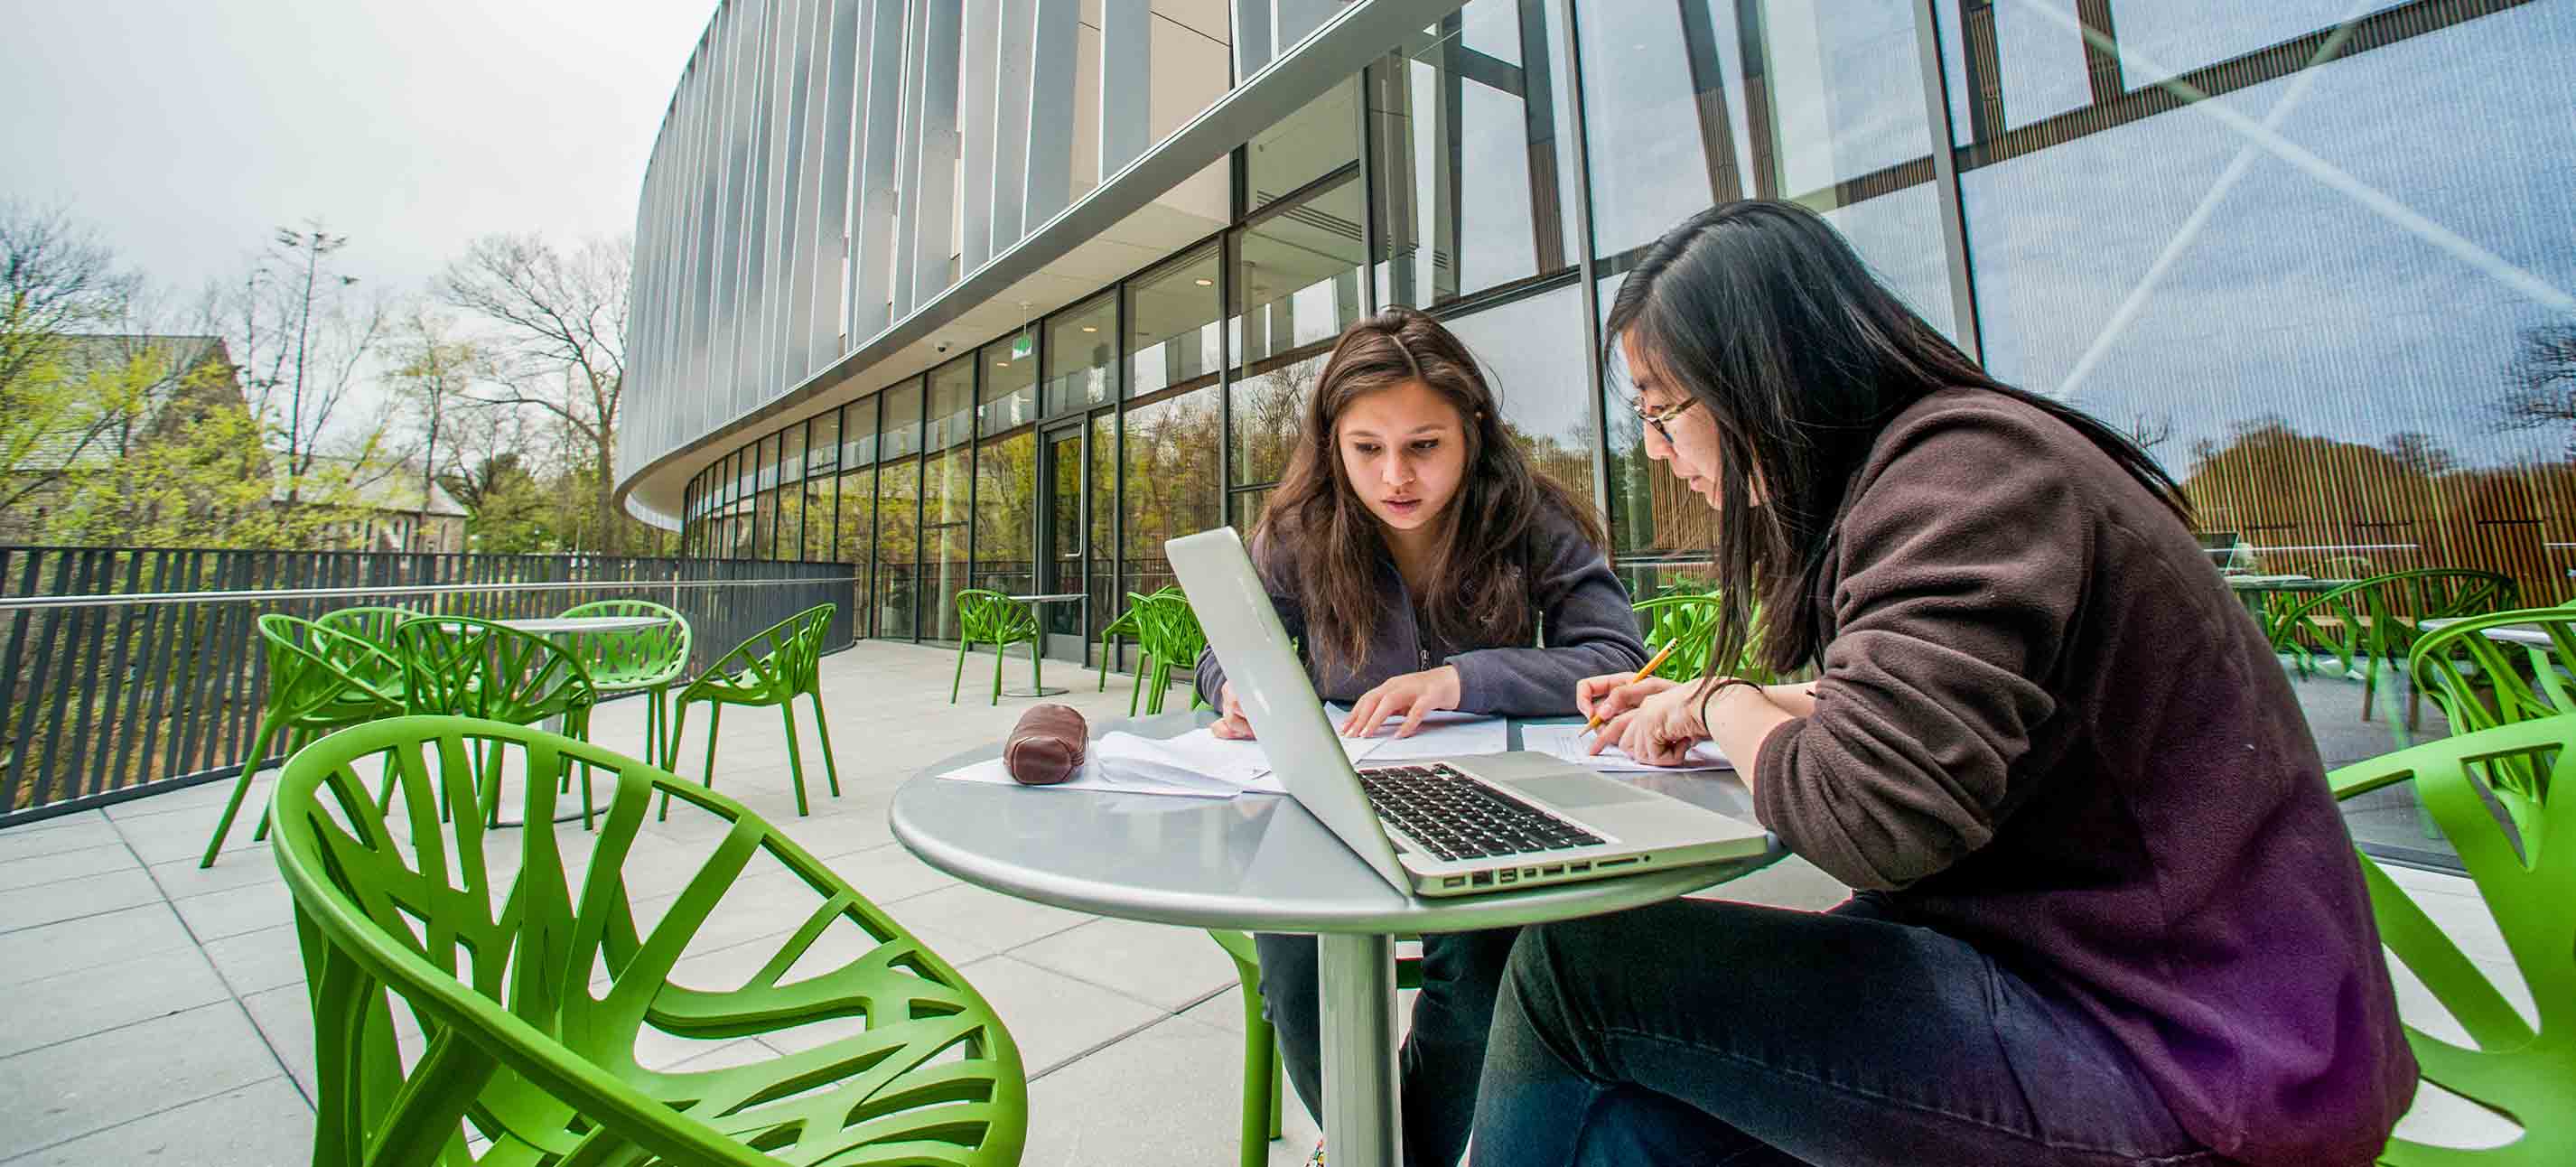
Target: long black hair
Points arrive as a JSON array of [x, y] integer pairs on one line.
[[1760, 311]]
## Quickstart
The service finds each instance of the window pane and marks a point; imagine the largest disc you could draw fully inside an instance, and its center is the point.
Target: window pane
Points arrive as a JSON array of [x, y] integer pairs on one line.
[[898, 538], [1647, 168], [1010, 384], [761, 542], [854, 534], [1006, 512], [1304, 146], [1171, 480], [945, 495], [859, 433], [901, 434], [1297, 287], [1474, 186], [791, 453], [2330, 300], [1532, 353], [788, 539], [1082, 357], [819, 500], [823, 443], [1172, 326], [1106, 601]]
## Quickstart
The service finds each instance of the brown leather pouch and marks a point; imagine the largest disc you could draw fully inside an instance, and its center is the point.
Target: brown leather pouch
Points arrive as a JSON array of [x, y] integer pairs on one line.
[[1046, 746]]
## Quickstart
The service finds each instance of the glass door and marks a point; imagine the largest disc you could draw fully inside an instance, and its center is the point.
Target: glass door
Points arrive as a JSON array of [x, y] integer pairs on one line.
[[1063, 552]]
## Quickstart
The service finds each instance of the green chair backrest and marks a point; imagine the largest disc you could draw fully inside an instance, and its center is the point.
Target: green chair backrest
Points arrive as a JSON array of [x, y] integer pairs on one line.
[[2481, 682], [634, 657], [989, 617], [1168, 629], [2524, 1071], [498, 971], [465, 667], [1687, 620], [376, 626], [2376, 617], [775, 663], [318, 676]]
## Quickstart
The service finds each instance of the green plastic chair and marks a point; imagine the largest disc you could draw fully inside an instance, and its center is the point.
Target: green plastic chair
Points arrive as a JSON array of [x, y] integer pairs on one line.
[[644, 660], [1687, 620], [1131, 624], [1262, 1075], [774, 667], [459, 666], [521, 1046], [2369, 621], [1168, 633], [2526, 1073], [316, 684], [989, 617], [1125, 625]]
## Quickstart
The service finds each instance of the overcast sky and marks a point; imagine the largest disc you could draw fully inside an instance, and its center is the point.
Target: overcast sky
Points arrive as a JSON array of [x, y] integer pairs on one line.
[[185, 131]]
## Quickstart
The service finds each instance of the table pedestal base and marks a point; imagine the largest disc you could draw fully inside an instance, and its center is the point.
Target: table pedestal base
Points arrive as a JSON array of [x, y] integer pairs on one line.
[[1361, 1117]]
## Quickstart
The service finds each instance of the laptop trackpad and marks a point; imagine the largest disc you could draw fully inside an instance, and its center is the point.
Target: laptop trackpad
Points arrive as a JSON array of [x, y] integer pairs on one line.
[[1577, 790]]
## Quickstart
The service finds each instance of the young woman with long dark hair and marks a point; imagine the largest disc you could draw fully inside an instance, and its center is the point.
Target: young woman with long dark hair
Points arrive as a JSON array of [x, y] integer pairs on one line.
[[1424, 565], [2106, 911]]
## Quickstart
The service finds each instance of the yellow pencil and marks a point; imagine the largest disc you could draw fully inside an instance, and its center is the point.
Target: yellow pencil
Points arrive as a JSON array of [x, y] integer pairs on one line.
[[1648, 671]]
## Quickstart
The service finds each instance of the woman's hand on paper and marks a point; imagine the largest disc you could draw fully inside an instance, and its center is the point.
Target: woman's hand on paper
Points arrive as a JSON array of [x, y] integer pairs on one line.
[[1412, 697], [1230, 724]]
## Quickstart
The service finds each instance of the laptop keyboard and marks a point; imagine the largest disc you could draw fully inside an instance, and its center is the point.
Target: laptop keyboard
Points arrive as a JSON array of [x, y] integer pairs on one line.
[[1458, 817]]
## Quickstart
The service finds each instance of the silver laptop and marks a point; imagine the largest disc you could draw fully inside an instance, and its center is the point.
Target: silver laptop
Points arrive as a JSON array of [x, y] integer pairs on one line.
[[1437, 826]]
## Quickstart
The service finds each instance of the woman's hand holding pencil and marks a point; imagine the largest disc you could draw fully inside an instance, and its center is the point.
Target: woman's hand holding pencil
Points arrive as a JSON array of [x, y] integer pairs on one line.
[[1611, 694]]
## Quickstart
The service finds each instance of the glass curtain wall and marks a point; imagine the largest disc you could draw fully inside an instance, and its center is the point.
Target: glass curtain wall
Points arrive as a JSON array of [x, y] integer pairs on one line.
[[1474, 177], [854, 533], [947, 495], [822, 486], [898, 511], [1081, 355], [1006, 455], [1169, 473], [1296, 286], [788, 541]]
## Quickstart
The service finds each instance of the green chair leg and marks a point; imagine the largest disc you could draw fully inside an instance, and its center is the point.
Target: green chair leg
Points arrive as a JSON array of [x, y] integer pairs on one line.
[[795, 761], [715, 718], [998, 653], [823, 730], [1136, 691], [671, 753], [241, 789], [1278, 1078], [1258, 1083], [960, 677]]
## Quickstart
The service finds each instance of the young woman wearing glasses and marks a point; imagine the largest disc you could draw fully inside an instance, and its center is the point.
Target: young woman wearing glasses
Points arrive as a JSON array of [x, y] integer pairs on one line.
[[2105, 911]]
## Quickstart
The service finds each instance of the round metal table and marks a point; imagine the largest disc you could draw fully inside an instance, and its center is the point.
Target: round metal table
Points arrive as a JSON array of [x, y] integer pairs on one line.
[[1259, 862]]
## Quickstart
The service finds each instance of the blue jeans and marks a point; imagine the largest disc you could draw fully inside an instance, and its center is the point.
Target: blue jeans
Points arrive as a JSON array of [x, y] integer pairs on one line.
[[1443, 1053], [1716, 1033]]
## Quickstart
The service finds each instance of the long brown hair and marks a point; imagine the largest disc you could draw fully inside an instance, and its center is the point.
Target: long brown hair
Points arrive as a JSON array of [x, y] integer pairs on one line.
[[1478, 591]]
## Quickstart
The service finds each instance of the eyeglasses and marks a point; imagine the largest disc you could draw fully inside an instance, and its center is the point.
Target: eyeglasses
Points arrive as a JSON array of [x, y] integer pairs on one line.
[[1658, 417]]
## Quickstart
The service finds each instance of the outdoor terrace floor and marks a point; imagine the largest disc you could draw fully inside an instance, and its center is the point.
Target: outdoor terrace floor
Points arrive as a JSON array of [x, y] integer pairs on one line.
[[153, 1012]]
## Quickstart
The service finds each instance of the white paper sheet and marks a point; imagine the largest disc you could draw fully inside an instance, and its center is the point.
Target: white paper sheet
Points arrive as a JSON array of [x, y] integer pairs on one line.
[[1442, 735], [1569, 743]]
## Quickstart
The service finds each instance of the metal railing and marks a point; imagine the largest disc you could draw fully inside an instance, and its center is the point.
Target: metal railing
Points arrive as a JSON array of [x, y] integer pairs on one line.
[[125, 673]]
